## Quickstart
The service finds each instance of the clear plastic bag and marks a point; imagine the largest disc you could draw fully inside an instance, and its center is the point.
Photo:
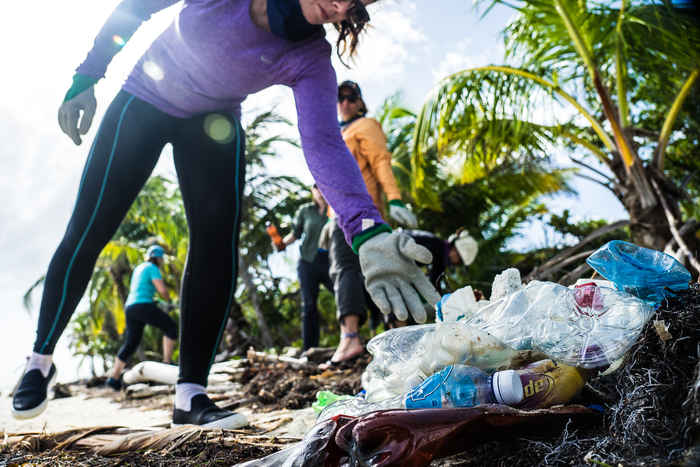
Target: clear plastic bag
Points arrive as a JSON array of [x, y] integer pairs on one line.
[[591, 326], [639, 271]]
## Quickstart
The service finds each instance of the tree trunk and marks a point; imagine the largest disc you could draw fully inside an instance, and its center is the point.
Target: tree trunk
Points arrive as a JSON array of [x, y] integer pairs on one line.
[[237, 340], [262, 321], [649, 226]]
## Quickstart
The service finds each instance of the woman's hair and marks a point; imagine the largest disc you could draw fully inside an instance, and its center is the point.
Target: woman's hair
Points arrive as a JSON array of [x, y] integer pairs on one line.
[[154, 260], [348, 38]]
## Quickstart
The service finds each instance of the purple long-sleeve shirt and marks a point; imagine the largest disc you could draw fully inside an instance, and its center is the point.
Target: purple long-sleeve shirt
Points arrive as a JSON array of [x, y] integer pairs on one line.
[[212, 57]]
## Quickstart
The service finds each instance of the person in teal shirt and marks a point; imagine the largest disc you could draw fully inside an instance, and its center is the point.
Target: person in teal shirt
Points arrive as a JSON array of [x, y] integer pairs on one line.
[[313, 264], [142, 310]]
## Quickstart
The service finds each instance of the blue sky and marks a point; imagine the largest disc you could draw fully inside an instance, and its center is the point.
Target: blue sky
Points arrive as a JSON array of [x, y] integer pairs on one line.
[[413, 44]]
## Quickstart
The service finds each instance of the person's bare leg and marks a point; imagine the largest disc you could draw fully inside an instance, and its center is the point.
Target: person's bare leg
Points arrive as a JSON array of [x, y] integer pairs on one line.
[[168, 348], [118, 368], [399, 324], [349, 346]]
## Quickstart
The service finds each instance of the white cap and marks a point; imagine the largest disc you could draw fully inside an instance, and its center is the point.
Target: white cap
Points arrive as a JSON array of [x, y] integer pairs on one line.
[[507, 387]]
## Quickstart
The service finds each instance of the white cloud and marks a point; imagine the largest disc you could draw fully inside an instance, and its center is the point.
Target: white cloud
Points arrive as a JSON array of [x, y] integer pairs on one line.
[[383, 55], [466, 55]]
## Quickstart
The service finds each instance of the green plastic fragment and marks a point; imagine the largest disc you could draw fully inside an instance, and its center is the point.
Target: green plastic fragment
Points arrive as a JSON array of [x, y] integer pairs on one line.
[[326, 398]]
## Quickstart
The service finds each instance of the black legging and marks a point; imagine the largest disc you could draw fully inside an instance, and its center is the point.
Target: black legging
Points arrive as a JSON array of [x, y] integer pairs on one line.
[[138, 316], [211, 173]]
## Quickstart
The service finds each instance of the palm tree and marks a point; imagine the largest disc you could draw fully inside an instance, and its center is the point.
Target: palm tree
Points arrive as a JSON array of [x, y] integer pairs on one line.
[[157, 215], [586, 55], [491, 204], [266, 198]]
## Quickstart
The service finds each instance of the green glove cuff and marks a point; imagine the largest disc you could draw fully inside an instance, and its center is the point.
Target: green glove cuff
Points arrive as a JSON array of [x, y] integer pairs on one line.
[[365, 235], [80, 83], [397, 202]]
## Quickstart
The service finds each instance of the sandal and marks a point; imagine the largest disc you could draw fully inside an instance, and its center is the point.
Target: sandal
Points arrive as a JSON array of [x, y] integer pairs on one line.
[[332, 364], [346, 335]]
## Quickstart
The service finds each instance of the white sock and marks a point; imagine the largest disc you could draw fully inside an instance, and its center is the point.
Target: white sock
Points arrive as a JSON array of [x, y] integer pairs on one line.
[[40, 362], [184, 392]]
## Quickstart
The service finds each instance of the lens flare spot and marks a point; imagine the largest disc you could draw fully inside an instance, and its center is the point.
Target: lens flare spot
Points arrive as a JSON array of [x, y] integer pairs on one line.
[[119, 41], [219, 129], [153, 70]]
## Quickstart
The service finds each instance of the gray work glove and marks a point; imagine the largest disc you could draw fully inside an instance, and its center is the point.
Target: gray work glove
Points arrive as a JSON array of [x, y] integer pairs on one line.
[[403, 216], [392, 277], [69, 114]]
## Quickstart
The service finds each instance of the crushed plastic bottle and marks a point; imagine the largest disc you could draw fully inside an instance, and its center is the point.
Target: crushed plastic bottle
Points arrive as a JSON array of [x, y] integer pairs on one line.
[[639, 271], [413, 353], [455, 386], [514, 318], [326, 398], [591, 326]]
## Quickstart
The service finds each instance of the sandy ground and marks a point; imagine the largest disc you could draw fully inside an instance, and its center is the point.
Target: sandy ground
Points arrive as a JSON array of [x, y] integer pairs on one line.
[[80, 412], [83, 412]]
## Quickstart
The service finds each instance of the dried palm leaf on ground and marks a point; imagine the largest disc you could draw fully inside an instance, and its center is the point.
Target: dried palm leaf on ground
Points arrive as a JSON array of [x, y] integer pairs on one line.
[[110, 441]]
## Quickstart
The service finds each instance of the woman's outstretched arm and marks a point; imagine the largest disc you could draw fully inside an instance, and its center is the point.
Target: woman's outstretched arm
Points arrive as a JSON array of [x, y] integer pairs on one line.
[[117, 30]]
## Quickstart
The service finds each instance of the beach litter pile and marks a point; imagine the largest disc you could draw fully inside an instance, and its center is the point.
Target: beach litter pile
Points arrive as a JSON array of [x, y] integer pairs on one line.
[[602, 373], [428, 394]]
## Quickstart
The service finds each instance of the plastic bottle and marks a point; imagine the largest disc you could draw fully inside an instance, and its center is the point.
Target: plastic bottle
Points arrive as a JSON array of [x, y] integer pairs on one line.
[[455, 386], [274, 236], [416, 352], [546, 384], [514, 319], [591, 326], [639, 271]]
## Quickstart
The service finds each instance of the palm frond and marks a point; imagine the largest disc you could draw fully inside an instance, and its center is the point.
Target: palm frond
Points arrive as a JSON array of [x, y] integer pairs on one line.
[[27, 299]]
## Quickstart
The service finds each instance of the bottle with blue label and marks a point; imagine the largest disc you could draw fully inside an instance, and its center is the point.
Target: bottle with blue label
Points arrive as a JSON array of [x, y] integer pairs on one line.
[[455, 386], [465, 386]]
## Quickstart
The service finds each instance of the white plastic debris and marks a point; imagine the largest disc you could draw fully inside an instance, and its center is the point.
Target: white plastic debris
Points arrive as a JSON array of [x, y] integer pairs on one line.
[[458, 305], [506, 283]]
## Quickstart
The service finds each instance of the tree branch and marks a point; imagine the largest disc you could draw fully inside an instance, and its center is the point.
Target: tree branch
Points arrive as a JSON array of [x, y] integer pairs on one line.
[[569, 251], [594, 180], [582, 164], [688, 178]]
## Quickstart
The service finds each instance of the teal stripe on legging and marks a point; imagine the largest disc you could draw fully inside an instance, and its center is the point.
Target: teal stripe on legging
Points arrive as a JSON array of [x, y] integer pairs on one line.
[[233, 244], [94, 213], [87, 166]]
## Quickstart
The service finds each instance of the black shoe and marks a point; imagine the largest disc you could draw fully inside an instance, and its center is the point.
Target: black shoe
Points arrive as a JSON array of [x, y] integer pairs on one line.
[[115, 384], [32, 395], [206, 413]]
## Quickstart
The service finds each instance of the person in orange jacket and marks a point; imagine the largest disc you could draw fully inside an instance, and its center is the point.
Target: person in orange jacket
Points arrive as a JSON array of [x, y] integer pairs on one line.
[[367, 142]]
